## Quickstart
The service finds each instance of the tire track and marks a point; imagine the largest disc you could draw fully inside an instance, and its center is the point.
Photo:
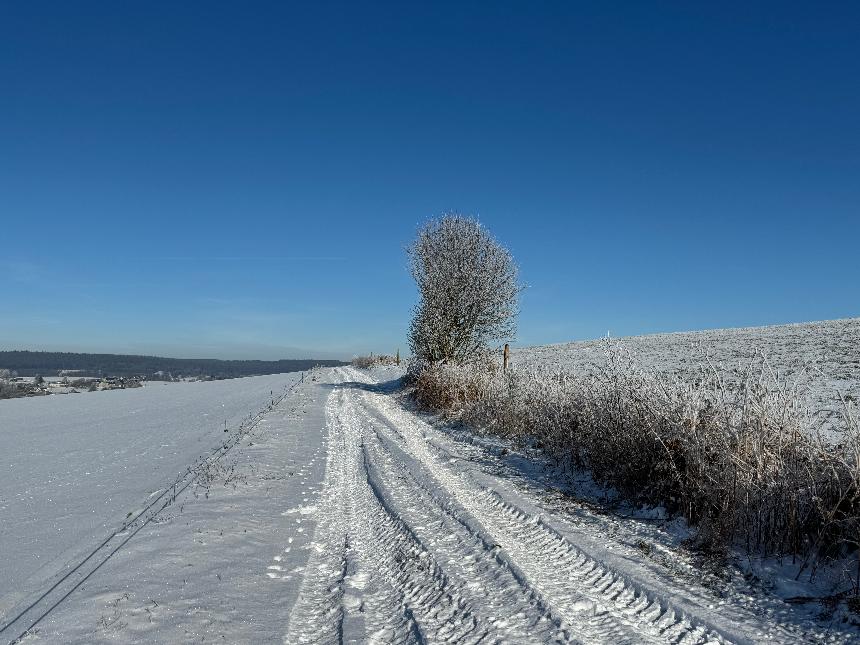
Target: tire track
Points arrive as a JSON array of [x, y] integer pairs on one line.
[[488, 581], [484, 584], [406, 596]]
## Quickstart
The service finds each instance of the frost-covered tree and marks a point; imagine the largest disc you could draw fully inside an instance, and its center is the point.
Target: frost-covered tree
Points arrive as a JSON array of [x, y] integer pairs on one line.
[[468, 287], [5, 386]]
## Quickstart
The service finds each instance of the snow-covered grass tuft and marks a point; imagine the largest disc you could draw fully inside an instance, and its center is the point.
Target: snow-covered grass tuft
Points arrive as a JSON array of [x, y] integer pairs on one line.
[[741, 461], [366, 362]]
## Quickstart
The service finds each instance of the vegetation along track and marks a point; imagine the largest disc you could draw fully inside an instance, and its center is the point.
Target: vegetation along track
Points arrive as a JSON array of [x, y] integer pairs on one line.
[[408, 549]]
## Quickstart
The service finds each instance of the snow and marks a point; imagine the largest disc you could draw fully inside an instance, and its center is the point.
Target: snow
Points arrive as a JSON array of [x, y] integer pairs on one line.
[[341, 515], [823, 357], [456, 546], [75, 467]]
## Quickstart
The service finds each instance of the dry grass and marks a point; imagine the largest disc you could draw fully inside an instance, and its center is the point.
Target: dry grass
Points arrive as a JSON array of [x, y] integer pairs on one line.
[[365, 362], [740, 462]]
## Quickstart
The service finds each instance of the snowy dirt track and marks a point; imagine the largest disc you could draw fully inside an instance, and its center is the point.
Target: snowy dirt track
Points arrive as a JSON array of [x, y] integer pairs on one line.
[[342, 516]]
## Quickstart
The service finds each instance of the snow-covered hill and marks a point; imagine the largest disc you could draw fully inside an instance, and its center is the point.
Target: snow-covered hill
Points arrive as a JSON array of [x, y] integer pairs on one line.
[[823, 356]]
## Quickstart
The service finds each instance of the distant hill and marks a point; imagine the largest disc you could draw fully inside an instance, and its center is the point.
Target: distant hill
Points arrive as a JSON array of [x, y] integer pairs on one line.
[[28, 363]]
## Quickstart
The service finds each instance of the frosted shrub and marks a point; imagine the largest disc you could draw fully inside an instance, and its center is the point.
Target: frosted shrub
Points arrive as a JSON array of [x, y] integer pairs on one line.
[[742, 463], [468, 288], [365, 362]]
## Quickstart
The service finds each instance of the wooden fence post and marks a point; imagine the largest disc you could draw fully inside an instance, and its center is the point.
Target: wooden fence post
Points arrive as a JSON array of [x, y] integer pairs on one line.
[[505, 358]]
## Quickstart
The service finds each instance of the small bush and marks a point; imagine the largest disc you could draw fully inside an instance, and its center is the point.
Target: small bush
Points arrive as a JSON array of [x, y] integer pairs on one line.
[[365, 362]]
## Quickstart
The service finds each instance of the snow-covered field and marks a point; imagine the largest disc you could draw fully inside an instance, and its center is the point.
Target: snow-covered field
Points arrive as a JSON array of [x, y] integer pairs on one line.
[[823, 357], [340, 515], [73, 468]]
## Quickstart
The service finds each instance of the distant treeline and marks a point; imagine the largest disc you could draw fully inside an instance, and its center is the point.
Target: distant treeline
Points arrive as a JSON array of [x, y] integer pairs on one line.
[[27, 363]]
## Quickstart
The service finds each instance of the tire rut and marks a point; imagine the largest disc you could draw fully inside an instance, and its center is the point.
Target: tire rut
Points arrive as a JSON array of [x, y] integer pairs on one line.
[[486, 581], [402, 594]]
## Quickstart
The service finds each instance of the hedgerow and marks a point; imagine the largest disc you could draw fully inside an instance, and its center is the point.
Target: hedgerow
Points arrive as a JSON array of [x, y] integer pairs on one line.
[[741, 461]]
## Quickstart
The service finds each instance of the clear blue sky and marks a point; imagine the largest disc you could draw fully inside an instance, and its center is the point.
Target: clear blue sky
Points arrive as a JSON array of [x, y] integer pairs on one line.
[[240, 179]]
